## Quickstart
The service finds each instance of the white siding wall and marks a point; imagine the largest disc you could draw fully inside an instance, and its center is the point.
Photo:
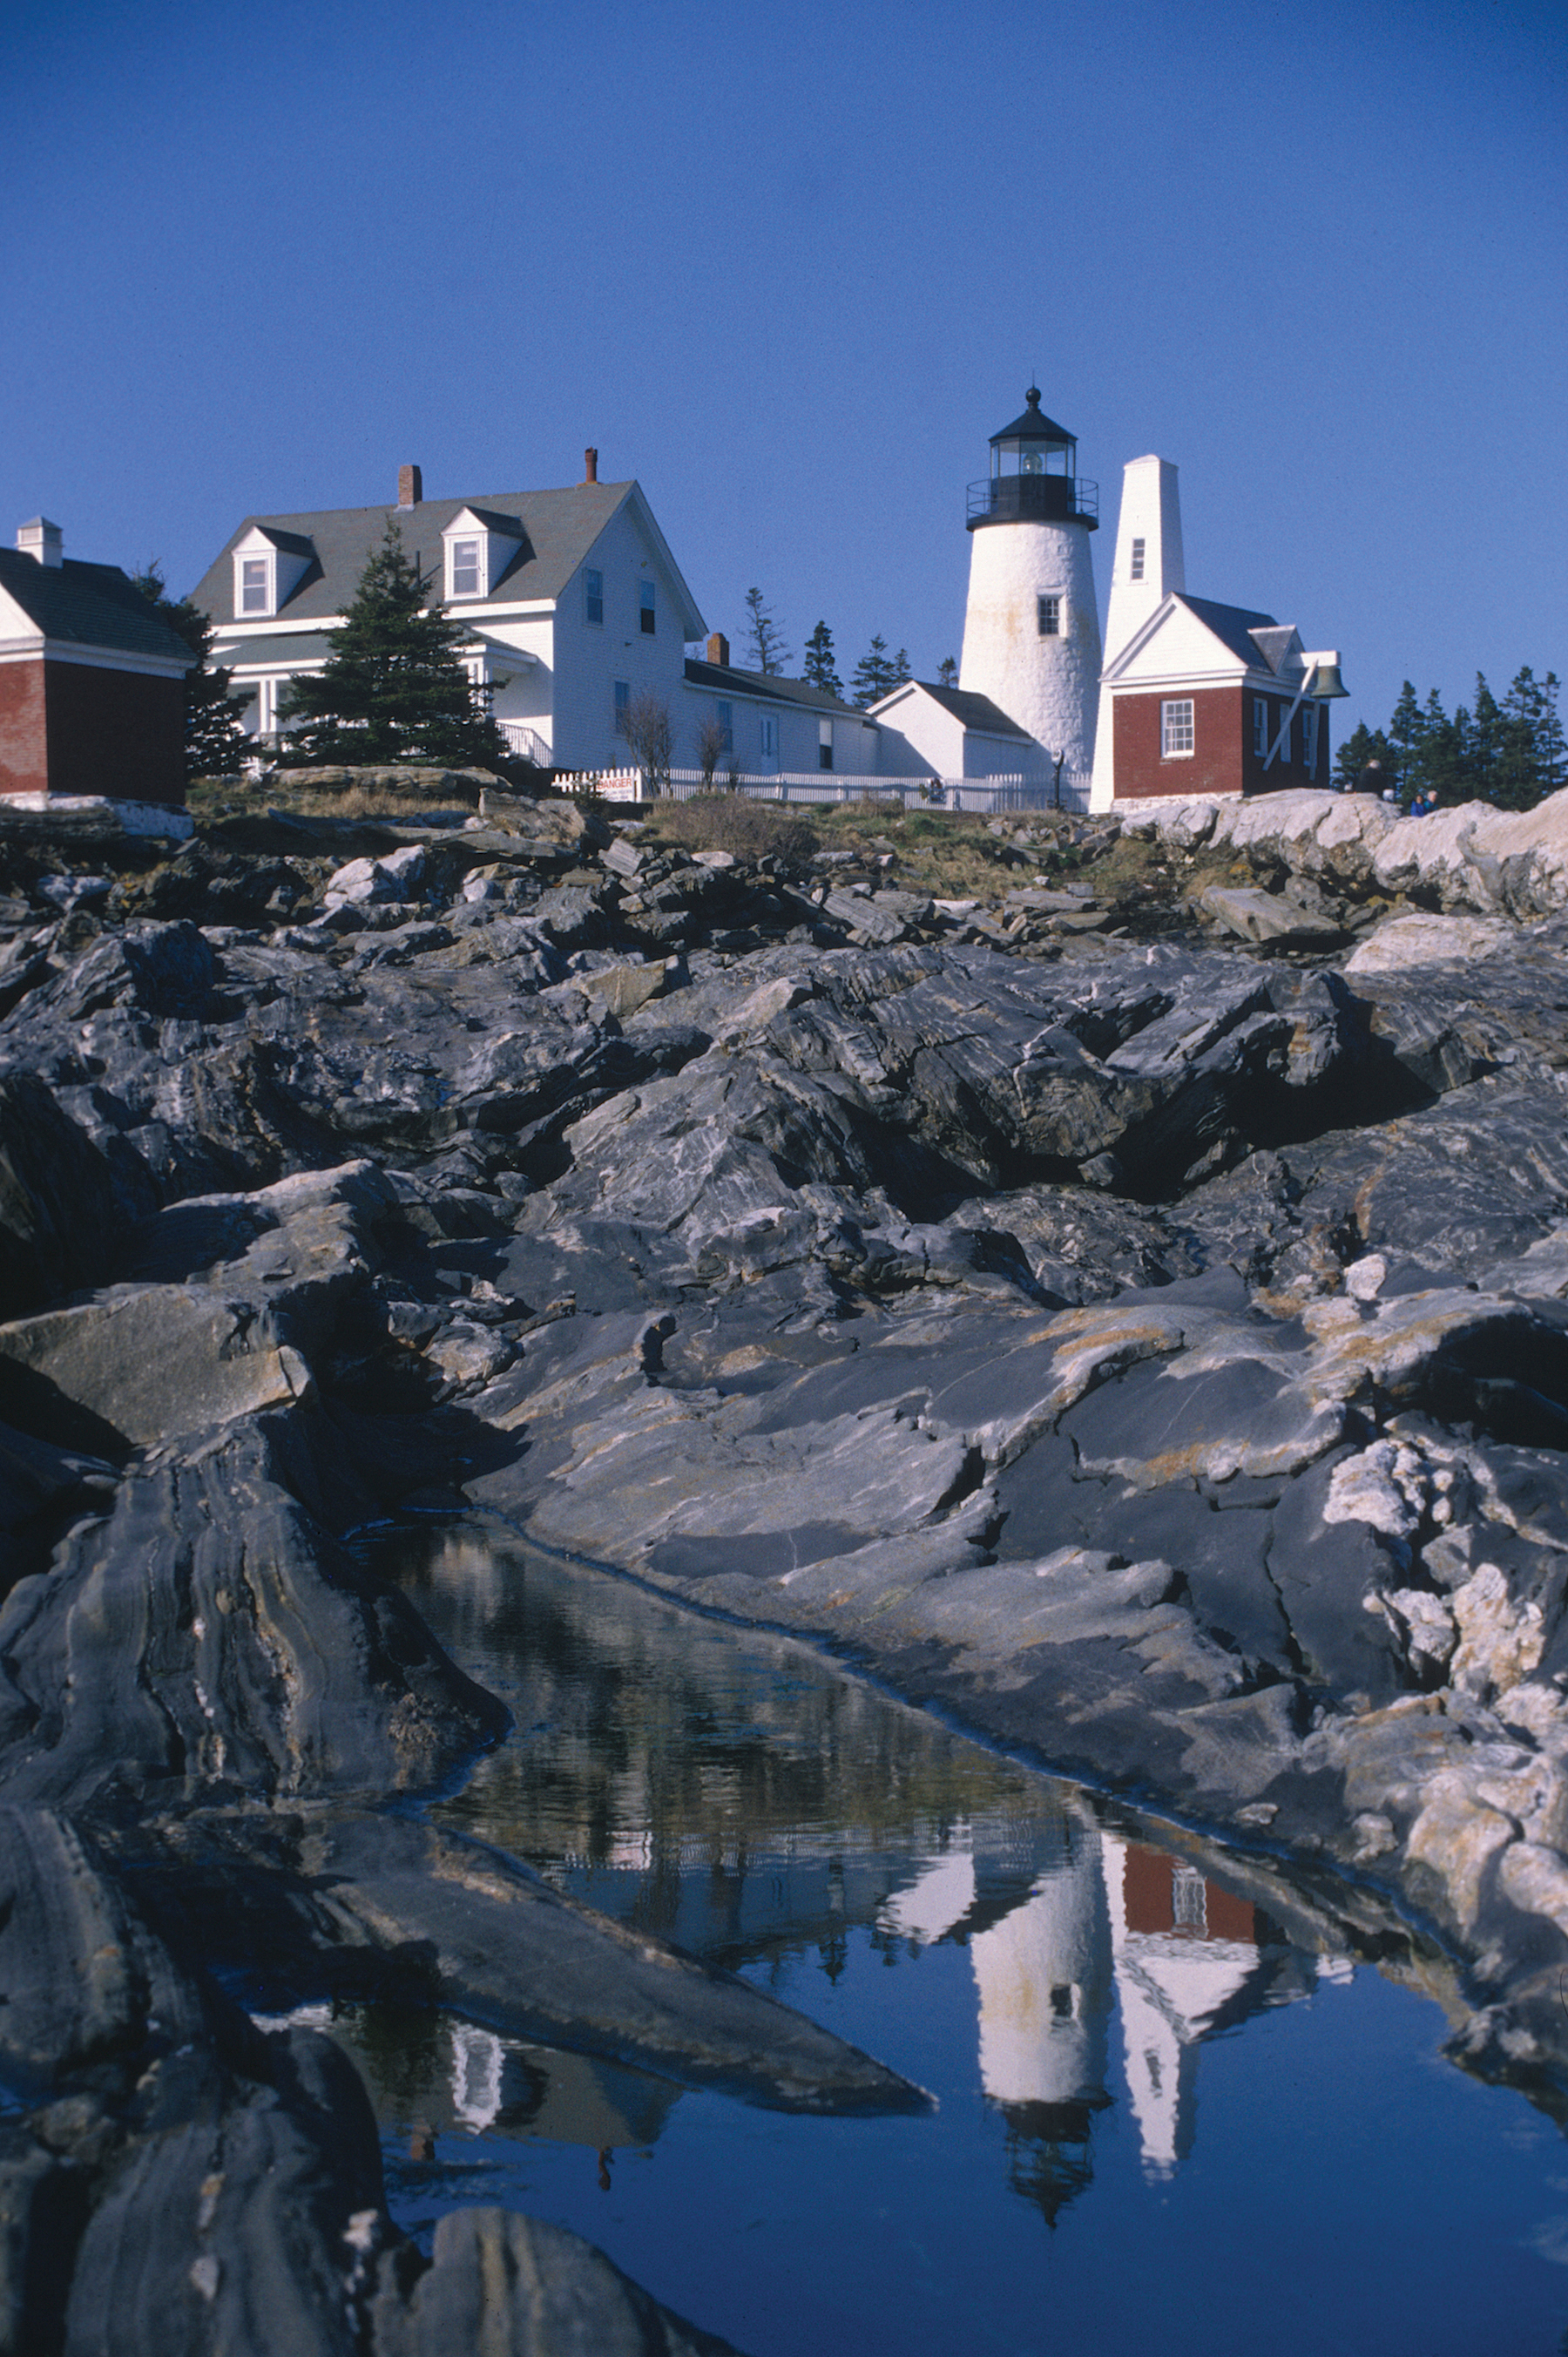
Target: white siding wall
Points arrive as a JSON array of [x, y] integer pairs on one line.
[[589, 658], [529, 693], [798, 731]]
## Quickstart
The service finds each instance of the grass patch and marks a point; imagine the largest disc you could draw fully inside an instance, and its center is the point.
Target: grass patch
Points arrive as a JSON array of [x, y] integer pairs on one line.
[[732, 822]]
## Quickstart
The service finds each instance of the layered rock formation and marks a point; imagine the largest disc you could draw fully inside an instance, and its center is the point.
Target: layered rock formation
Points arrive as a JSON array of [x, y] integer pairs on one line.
[[1155, 1352]]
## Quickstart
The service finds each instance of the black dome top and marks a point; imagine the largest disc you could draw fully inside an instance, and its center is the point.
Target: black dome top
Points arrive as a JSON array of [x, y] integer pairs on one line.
[[1034, 425]]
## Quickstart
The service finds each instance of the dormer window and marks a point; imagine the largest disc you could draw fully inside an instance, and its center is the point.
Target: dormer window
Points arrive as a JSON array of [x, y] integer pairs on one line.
[[269, 565], [478, 547]]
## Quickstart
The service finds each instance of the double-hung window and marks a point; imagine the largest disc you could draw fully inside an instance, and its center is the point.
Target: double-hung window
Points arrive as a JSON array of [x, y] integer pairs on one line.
[[1309, 712], [593, 598], [1261, 727], [769, 737], [1048, 614], [1136, 572], [824, 744], [623, 704], [646, 609], [724, 714], [465, 582], [1176, 735], [255, 590]]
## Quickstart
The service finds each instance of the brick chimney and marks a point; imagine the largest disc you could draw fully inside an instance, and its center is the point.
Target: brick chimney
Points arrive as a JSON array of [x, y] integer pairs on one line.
[[41, 540], [410, 487], [590, 465], [718, 649]]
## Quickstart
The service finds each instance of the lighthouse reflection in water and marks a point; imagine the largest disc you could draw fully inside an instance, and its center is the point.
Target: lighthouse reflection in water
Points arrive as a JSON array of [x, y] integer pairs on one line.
[[739, 1795]]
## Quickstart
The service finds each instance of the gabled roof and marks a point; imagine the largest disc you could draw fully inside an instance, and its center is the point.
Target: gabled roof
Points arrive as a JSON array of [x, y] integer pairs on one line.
[[728, 679], [556, 530], [1232, 627], [970, 711], [78, 603], [510, 527], [1275, 644], [289, 544]]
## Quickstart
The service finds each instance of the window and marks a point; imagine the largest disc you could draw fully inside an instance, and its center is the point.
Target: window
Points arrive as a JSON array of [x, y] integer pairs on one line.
[[1176, 729], [1048, 614], [824, 744], [1309, 739], [726, 713], [769, 737], [1189, 1900], [1261, 727], [647, 610], [593, 598], [623, 704], [1137, 572], [255, 590], [466, 581]]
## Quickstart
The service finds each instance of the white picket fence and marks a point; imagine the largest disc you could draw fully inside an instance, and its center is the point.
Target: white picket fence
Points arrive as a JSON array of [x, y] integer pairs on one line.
[[1022, 792]]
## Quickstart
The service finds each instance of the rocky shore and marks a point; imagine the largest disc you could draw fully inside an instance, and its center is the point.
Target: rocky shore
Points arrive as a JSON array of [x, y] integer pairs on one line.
[[1134, 1322]]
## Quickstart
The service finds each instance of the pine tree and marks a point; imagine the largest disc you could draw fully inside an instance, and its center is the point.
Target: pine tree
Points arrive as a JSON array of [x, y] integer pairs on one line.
[[215, 743], [946, 672], [1527, 756], [394, 688], [765, 639], [901, 670], [873, 674], [1361, 748], [1404, 730], [820, 670]]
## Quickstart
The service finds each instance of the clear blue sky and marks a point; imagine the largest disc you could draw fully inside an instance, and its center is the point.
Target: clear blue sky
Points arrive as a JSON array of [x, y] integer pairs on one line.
[[791, 266]]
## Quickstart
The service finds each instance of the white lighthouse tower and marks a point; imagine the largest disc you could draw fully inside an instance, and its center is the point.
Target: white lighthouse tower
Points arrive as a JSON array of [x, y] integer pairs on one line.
[[1031, 630]]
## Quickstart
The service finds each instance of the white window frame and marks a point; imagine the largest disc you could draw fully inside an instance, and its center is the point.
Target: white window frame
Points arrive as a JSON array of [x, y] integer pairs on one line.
[[620, 702], [268, 585], [456, 558], [724, 712], [824, 744], [1260, 737], [1178, 721], [1135, 570], [769, 732], [647, 610], [593, 595], [1050, 613]]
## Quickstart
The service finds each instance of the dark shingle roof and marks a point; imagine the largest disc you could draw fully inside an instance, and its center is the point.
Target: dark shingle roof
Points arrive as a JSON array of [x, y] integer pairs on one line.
[[728, 679], [557, 529], [973, 711], [87, 605], [1232, 625]]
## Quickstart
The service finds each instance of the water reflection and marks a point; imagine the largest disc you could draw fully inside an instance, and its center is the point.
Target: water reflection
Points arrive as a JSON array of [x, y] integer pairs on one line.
[[737, 1794]]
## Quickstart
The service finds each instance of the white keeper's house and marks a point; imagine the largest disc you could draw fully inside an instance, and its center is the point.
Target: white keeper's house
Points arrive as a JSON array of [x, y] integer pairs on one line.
[[574, 606]]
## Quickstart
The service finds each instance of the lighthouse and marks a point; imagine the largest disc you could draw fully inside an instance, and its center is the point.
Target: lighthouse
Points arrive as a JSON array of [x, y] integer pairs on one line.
[[1031, 628]]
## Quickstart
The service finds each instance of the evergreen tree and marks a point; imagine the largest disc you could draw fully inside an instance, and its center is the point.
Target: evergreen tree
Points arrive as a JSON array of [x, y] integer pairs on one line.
[[765, 639], [1362, 747], [1404, 730], [873, 674], [1442, 767], [215, 743], [820, 670], [1528, 760], [901, 670], [394, 688], [946, 672]]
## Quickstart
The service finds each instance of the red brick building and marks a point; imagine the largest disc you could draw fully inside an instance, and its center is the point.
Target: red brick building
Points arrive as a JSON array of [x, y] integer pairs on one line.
[[1207, 699], [91, 682]]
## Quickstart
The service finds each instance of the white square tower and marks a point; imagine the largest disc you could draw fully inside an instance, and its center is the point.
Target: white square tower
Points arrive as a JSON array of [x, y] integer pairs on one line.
[[1147, 566]]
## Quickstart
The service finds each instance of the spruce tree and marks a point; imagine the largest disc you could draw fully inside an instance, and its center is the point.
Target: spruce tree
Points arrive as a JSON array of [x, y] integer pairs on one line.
[[765, 639], [873, 674], [821, 669], [901, 670], [215, 743], [946, 672], [1404, 729], [1362, 747], [394, 688]]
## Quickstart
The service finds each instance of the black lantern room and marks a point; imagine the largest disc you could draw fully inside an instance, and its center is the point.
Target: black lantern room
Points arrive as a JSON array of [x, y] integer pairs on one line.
[[1034, 476]]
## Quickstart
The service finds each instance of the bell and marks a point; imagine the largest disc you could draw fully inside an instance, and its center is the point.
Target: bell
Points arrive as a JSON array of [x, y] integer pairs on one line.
[[1325, 681]]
